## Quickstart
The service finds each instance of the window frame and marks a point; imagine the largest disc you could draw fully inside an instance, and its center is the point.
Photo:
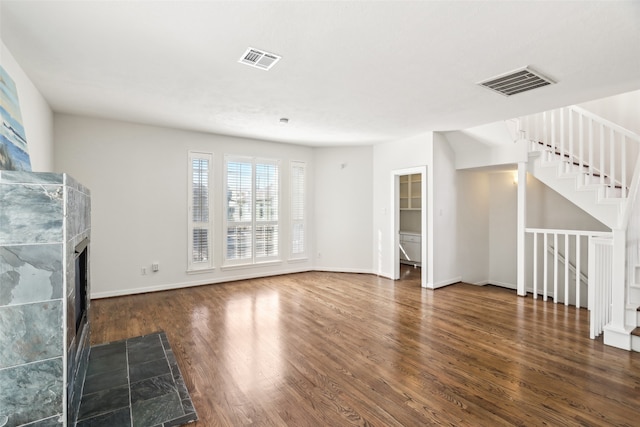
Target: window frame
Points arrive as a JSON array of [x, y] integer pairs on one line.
[[194, 266], [253, 223], [294, 222]]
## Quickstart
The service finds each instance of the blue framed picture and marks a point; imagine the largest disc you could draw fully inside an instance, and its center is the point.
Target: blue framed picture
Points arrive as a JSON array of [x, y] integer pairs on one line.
[[13, 142]]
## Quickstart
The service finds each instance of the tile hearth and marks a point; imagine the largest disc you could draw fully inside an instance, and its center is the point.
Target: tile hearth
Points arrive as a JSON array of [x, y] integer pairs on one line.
[[135, 382]]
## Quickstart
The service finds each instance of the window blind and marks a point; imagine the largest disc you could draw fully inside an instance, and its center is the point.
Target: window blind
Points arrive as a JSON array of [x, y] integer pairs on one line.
[[252, 204], [298, 214], [200, 221]]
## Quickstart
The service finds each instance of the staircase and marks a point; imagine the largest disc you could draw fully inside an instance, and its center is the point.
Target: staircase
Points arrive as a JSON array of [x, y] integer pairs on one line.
[[572, 182], [592, 163]]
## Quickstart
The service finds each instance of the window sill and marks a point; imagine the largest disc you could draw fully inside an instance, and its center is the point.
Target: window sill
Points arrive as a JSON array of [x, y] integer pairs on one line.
[[293, 260], [255, 265]]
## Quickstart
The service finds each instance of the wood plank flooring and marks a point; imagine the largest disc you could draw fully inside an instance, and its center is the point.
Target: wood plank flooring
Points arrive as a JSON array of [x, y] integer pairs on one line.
[[331, 349]]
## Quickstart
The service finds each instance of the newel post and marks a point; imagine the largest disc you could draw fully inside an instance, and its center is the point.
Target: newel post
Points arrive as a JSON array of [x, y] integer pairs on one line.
[[616, 333], [522, 216], [618, 300]]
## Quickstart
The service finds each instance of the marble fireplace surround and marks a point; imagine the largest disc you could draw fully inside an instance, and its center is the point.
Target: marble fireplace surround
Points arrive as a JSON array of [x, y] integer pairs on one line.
[[43, 217]]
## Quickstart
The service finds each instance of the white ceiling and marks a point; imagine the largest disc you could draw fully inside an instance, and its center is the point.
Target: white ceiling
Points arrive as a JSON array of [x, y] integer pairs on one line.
[[351, 72]]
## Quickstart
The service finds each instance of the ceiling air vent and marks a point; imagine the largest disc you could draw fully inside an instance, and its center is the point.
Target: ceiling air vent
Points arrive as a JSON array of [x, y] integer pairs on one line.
[[517, 81], [259, 59]]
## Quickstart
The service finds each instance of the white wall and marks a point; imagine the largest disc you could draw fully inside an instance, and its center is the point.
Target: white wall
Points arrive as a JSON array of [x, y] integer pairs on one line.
[[548, 209], [388, 157], [503, 217], [343, 201], [489, 145], [621, 109], [473, 226], [138, 180], [37, 117], [445, 213]]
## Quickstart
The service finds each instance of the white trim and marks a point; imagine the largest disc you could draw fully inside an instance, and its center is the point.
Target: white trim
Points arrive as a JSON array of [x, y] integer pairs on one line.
[[511, 286], [253, 223], [426, 260], [248, 265], [443, 283], [616, 337], [201, 271], [203, 282], [305, 215], [191, 265], [602, 234], [344, 270]]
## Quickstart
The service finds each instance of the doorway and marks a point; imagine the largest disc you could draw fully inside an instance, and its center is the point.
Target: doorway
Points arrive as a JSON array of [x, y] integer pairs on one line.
[[409, 219]]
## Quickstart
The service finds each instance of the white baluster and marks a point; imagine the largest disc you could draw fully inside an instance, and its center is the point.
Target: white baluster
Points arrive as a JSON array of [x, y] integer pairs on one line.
[[580, 145], [612, 161], [577, 271], [545, 268], [623, 161], [553, 131], [590, 131], [591, 285], [544, 128], [562, 111], [566, 269], [555, 268], [601, 154], [535, 265], [571, 152]]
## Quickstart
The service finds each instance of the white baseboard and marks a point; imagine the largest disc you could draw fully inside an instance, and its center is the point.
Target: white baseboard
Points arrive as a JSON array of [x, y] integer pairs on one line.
[[444, 283], [620, 338], [208, 281], [503, 284], [343, 270]]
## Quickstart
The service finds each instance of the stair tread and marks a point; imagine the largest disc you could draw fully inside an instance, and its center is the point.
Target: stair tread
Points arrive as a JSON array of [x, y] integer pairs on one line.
[[636, 332]]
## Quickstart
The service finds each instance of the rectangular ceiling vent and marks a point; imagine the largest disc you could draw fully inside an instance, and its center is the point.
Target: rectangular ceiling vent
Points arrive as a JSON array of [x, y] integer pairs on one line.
[[259, 59], [517, 81]]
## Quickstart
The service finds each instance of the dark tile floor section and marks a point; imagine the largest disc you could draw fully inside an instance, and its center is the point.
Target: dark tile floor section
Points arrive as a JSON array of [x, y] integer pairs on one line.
[[135, 383]]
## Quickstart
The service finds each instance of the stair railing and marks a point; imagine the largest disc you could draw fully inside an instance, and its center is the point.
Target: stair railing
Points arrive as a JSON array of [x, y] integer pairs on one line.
[[551, 247], [605, 153]]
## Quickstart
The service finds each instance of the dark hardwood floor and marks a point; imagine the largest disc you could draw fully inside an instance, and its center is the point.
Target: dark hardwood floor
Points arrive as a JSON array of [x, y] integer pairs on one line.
[[330, 349]]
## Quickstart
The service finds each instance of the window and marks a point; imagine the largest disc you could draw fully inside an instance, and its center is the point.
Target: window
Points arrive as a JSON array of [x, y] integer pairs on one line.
[[298, 214], [199, 216], [252, 205]]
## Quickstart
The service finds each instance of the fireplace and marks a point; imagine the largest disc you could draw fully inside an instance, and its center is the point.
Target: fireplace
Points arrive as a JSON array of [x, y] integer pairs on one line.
[[78, 327], [81, 284], [45, 272]]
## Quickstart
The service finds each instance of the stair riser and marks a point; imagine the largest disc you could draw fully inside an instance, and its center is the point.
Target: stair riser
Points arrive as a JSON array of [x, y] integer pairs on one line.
[[635, 343]]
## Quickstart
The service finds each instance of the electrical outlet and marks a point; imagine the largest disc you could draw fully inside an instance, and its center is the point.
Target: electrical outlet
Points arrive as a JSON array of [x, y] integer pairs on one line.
[[143, 271], [155, 267]]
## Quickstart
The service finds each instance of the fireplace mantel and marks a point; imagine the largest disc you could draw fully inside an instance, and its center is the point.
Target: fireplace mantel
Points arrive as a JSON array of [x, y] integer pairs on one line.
[[43, 218]]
